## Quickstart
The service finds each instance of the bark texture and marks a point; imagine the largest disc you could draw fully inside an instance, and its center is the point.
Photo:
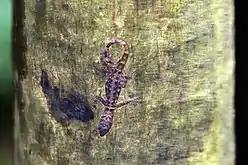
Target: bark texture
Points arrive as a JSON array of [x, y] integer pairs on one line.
[[182, 56]]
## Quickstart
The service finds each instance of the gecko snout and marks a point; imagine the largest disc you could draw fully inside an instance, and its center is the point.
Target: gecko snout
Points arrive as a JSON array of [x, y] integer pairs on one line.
[[104, 128]]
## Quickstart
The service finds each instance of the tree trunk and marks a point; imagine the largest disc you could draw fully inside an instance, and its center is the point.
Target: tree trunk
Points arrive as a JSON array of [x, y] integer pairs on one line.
[[182, 57]]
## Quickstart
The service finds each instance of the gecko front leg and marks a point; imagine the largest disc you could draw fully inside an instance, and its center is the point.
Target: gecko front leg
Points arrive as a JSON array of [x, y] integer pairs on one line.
[[100, 99], [122, 103]]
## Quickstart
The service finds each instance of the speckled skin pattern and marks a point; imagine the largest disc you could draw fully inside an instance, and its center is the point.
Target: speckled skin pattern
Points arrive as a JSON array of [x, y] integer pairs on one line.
[[115, 81]]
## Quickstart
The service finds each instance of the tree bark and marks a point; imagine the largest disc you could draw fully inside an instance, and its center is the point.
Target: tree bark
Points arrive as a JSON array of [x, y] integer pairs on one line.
[[180, 52]]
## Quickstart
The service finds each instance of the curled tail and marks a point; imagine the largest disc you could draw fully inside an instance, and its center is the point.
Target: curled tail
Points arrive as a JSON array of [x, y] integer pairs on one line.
[[123, 59]]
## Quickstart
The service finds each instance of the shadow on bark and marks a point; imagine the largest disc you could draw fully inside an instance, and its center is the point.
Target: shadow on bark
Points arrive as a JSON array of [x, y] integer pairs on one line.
[[65, 105]]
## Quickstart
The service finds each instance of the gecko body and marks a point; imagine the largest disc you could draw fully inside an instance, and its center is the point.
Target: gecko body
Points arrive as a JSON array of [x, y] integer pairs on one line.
[[115, 81]]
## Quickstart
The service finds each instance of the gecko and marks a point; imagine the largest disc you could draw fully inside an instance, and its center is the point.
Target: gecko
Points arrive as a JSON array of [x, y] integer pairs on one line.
[[115, 81]]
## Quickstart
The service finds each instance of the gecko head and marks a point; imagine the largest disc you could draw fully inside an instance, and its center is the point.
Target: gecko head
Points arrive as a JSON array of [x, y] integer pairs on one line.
[[104, 128]]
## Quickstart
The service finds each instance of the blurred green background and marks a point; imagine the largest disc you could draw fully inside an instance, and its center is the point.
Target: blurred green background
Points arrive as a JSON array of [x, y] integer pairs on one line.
[[6, 83], [182, 56]]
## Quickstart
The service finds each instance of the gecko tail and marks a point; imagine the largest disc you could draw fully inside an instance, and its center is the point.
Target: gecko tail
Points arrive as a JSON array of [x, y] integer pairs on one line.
[[117, 41], [125, 54]]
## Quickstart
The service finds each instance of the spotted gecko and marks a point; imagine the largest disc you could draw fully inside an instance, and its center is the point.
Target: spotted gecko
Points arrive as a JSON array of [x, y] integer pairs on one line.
[[115, 81]]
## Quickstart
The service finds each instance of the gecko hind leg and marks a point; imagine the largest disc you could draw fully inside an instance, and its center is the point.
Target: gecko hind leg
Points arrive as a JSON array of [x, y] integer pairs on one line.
[[126, 77], [103, 66], [124, 80], [106, 63]]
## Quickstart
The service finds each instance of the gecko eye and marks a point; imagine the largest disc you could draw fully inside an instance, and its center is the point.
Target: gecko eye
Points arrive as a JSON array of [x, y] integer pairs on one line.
[[103, 129]]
